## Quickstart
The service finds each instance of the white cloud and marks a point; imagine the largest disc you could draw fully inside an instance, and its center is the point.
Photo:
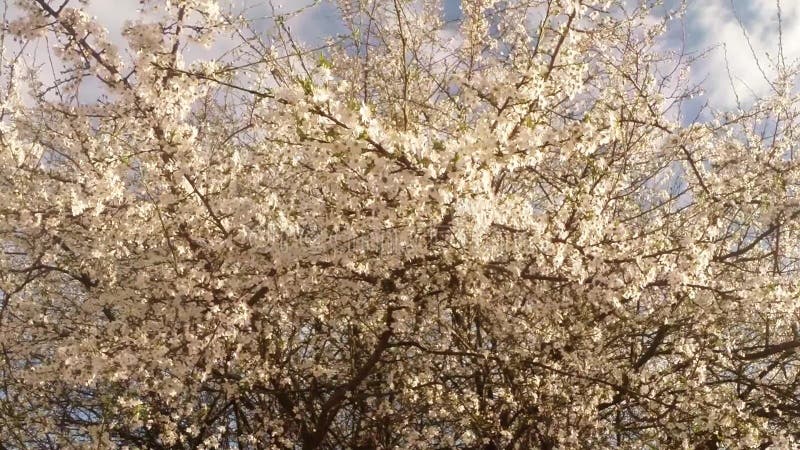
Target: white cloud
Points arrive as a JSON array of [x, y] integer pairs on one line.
[[727, 27], [710, 24], [113, 14]]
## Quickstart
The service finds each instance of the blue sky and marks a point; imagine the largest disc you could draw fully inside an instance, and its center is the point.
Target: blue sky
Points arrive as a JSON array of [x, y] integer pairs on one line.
[[716, 24], [721, 26], [709, 24]]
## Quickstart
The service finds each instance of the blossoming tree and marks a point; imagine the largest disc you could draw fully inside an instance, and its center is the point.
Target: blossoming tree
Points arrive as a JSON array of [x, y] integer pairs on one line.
[[494, 232]]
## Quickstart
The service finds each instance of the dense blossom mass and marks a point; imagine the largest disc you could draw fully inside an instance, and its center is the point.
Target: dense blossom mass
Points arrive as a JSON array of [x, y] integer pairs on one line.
[[495, 231]]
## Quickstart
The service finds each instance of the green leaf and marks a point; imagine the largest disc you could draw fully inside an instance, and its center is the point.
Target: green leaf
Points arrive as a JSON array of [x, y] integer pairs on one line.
[[308, 86], [322, 61]]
